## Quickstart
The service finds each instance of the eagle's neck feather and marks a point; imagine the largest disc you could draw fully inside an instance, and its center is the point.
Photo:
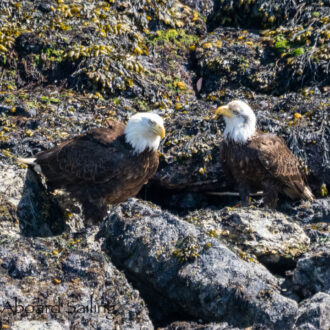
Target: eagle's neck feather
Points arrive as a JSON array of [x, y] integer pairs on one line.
[[240, 131], [141, 140]]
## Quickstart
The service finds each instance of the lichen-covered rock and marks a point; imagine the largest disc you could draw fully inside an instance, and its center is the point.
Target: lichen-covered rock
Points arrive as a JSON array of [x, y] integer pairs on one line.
[[270, 237], [312, 273], [196, 272], [314, 313]]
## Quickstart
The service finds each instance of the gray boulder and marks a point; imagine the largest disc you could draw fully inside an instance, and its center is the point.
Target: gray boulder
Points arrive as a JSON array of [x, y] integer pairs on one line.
[[312, 273], [254, 233], [194, 271], [314, 313]]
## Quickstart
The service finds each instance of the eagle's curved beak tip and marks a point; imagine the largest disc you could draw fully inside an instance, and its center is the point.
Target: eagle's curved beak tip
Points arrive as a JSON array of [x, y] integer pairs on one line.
[[162, 132], [223, 111]]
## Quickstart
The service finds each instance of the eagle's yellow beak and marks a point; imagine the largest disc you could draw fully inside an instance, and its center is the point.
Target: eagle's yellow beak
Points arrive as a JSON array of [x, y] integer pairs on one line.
[[160, 130], [224, 111]]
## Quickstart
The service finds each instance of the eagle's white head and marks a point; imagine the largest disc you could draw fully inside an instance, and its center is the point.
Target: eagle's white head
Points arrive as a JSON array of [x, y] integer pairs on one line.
[[144, 131], [240, 120]]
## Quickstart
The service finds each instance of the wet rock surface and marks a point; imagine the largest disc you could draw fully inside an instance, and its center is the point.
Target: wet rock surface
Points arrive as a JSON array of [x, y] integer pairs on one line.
[[66, 67]]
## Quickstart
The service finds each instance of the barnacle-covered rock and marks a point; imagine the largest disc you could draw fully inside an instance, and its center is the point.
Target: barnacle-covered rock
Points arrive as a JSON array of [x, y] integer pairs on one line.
[[270, 237]]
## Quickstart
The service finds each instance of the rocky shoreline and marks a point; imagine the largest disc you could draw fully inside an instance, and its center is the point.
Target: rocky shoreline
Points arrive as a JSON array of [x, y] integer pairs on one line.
[[178, 256]]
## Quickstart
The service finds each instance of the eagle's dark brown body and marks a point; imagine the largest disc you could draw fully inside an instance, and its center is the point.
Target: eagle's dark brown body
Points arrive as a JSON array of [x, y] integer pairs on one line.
[[98, 168], [264, 162]]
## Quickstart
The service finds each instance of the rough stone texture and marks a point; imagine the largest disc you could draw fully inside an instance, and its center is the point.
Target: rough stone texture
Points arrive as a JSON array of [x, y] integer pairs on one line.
[[66, 67], [271, 237], [194, 271], [37, 211], [62, 272], [38, 325], [196, 326], [318, 211], [312, 273], [314, 313]]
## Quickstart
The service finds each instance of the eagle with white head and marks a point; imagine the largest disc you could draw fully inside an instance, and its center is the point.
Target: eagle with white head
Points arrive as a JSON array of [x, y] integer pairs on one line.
[[259, 160], [105, 165]]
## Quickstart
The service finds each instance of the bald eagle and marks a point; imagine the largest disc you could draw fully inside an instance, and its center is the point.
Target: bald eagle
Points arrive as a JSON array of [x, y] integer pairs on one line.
[[259, 160], [105, 165]]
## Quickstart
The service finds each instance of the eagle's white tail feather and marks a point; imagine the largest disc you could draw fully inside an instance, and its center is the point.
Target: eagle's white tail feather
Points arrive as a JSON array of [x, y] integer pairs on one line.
[[308, 194], [32, 162], [27, 161]]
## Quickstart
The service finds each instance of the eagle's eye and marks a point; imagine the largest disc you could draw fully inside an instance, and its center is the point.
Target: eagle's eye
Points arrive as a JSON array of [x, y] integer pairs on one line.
[[151, 122]]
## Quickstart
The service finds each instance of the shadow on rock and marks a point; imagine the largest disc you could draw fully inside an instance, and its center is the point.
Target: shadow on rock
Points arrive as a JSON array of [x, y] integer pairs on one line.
[[38, 211]]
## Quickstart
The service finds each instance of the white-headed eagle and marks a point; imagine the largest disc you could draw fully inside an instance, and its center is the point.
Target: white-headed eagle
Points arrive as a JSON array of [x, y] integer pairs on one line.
[[259, 160], [105, 165]]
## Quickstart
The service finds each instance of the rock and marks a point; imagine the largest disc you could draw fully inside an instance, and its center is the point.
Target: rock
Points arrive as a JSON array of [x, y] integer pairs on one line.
[[312, 273], [314, 313], [191, 153], [270, 237], [37, 211], [196, 326], [202, 6], [318, 211], [28, 43], [230, 58], [319, 233], [38, 325], [196, 272], [73, 287], [67, 67], [64, 279], [18, 266], [45, 7], [267, 13]]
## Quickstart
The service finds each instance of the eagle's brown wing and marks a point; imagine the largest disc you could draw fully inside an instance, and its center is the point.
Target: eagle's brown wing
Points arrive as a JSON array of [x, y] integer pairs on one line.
[[94, 157], [281, 164]]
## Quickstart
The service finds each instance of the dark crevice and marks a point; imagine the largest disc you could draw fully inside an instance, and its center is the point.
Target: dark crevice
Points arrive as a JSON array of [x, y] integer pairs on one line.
[[162, 310], [280, 267], [182, 201]]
